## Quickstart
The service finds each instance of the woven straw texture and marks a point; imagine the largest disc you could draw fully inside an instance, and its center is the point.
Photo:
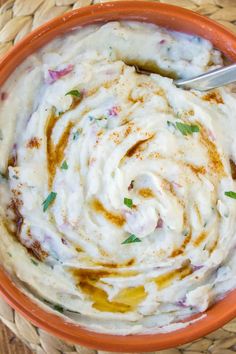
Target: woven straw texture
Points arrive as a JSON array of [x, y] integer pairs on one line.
[[19, 17]]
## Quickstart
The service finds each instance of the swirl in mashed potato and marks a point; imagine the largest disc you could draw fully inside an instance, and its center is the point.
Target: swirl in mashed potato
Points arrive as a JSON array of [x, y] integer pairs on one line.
[[117, 190]]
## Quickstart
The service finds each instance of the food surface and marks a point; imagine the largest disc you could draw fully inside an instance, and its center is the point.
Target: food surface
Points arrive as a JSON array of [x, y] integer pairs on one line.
[[117, 189]]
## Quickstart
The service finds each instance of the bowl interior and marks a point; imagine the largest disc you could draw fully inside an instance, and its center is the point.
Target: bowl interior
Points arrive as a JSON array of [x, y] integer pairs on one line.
[[171, 17]]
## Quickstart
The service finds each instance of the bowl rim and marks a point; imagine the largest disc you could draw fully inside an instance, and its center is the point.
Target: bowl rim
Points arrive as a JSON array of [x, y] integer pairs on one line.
[[178, 19]]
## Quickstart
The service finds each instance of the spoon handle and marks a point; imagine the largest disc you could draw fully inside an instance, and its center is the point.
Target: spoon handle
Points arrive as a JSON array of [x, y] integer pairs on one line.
[[211, 79]]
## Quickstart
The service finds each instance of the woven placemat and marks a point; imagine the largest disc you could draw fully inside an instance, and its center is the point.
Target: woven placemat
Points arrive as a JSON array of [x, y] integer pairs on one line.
[[19, 17]]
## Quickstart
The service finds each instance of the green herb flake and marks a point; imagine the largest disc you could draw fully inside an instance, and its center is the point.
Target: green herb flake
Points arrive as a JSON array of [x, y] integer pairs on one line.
[[187, 129], [9, 254], [58, 308], [101, 117], [34, 262], [110, 51], [1, 134], [97, 119], [231, 194], [74, 93], [49, 200], [170, 124], [64, 166], [77, 134], [128, 202], [131, 239]]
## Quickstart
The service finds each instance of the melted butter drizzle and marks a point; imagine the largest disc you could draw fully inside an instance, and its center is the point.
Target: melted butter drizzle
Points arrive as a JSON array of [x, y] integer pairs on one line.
[[33, 248], [213, 96], [126, 300], [200, 238], [216, 164], [164, 280], [182, 248], [115, 219], [100, 299], [128, 263], [91, 274], [146, 193], [186, 241], [55, 154], [210, 248], [137, 147]]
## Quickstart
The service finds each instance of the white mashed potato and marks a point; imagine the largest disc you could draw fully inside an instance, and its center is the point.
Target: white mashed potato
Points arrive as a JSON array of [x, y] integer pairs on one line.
[[117, 190]]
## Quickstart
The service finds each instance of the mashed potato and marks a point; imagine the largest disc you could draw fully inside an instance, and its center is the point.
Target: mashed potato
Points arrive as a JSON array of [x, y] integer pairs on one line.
[[117, 190]]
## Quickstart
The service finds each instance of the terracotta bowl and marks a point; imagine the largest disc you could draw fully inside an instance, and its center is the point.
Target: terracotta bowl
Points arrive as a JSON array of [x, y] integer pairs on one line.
[[172, 17]]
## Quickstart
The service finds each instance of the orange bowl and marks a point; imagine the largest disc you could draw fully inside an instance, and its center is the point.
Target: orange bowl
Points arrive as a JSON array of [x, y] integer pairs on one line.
[[171, 17]]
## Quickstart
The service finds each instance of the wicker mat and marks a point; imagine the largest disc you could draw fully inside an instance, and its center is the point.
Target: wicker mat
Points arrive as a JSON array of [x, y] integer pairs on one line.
[[17, 18]]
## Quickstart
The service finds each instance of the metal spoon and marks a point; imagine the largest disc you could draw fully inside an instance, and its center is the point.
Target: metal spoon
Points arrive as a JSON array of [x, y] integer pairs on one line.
[[211, 79], [206, 81]]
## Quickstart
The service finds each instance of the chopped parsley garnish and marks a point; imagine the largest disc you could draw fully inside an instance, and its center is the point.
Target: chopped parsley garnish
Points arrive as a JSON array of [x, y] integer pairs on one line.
[[97, 119], [49, 200], [77, 134], [74, 93], [170, 124], [128, 202], [58, 308], [185, 129], [231, 194], [131, 239], [34, 262], [64, 166], [110, 51], [102, 117], [1, 135]]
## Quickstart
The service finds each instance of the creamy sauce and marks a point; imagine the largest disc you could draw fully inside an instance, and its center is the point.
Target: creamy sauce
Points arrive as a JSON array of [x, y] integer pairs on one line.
[[112, 188]]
